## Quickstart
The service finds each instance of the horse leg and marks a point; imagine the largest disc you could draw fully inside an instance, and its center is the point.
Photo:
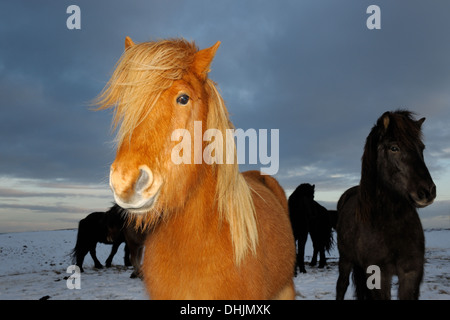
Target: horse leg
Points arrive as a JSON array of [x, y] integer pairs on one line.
[[345, 267], [115, 246], [126, 258], [314, 257], [136, 255], [296, 258], [323, 260], [80, 259], [93, 253], [137, 263], [384, 290], [301, 252], [360, 282], [409, 284]]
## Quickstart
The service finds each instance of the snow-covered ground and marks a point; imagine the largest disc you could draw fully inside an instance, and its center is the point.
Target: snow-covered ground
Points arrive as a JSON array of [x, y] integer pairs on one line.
[[33, 265], [321, 284]]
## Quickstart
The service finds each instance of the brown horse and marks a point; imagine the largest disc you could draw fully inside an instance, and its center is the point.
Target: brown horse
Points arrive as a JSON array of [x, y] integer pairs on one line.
[[217, 233]]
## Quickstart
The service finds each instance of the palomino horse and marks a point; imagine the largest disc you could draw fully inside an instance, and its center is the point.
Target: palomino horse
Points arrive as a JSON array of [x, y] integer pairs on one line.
[[217, 233]]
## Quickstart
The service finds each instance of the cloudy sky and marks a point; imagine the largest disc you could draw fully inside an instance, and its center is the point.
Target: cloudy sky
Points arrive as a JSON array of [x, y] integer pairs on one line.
[[310, 68]]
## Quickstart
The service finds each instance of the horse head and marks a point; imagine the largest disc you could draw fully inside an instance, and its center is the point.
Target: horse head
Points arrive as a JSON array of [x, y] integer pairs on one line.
[[157, 87], [306, 190], [393, 159]]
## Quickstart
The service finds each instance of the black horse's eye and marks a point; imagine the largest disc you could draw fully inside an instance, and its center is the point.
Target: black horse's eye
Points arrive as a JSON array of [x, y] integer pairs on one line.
[[183, 99], [394, 149]]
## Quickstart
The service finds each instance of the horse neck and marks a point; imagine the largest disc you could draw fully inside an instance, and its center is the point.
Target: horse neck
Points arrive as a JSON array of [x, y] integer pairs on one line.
[[200, 209], [384, 204], [307, 206]]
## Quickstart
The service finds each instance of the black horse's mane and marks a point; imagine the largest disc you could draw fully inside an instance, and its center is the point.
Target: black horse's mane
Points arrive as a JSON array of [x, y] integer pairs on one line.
[[397, 126]]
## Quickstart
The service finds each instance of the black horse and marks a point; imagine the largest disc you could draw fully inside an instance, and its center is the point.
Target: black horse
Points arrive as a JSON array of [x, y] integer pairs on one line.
[[109, 227], [307, 216], [378, 225], [104, 227]]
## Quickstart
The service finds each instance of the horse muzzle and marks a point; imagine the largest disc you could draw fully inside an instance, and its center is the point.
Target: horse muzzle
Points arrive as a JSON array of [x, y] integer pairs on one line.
[[135, 191], [424, 196]]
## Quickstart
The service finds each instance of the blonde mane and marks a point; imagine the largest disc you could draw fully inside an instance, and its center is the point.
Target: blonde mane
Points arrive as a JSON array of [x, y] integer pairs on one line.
[[146, 70], [142, 73], [233, 195]]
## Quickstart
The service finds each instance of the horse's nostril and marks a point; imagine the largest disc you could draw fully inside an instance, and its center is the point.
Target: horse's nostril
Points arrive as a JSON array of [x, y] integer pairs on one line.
[[421, 194], [133, 188], [427, 193], [433, 191], [142, 181]]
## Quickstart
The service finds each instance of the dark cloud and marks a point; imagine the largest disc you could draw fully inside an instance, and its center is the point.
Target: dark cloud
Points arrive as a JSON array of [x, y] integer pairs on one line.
[[309, 68]]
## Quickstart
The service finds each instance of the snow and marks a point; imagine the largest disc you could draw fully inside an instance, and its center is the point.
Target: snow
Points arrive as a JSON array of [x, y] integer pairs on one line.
[[321, 284], [33, 265]]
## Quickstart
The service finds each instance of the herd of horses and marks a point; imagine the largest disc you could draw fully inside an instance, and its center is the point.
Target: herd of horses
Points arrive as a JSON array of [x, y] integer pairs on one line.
[[212, 232]]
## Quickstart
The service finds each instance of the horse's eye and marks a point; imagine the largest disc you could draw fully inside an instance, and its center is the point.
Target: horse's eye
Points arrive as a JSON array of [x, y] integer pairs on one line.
[[394, 149], [183, 99]]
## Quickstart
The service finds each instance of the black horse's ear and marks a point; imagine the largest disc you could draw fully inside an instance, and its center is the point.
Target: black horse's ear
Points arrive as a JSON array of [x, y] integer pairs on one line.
[[384, 120], [420, 122]]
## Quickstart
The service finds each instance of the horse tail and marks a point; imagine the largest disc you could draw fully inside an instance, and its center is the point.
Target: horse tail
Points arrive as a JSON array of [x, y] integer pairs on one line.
[[329, 239], [80, 244], [323, 225], [329, 243], [333, 217]]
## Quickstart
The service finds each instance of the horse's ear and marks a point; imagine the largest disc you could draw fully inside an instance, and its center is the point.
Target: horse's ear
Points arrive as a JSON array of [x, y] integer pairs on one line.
[[420, 122], [128, 42], [203, 59], [386, 120]]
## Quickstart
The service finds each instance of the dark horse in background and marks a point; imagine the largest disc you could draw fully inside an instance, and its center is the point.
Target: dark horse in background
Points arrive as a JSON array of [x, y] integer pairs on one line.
[[108, 227], [378, 224], [307, 216]]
